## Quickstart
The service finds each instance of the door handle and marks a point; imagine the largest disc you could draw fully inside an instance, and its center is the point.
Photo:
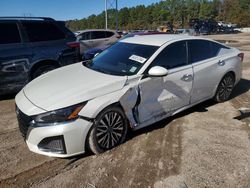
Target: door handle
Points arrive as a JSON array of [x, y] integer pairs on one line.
[[221, 63], [187, 77]]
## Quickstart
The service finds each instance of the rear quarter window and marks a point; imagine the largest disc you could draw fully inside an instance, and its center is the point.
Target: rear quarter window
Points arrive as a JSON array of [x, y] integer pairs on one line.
[[218, 49], [9, 33], [109, 34], [42, 31]]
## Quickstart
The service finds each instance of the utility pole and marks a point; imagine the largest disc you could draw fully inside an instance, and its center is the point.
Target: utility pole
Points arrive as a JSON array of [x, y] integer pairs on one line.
[[116, 15], [111, 4], [106, 14]]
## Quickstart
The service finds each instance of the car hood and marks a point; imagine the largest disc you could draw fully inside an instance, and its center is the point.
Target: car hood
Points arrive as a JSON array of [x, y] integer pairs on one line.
[[70, 85]]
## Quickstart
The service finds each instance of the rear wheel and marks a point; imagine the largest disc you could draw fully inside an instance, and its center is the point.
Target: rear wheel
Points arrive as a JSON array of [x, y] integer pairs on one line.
[[225, 88], [42, 70], [108, 131]]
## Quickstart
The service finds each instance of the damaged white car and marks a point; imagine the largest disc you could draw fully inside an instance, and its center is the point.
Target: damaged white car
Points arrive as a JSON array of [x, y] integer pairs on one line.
[[132, 84]]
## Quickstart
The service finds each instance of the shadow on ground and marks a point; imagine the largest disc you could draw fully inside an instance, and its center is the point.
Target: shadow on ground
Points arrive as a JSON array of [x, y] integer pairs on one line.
[[242, 87]]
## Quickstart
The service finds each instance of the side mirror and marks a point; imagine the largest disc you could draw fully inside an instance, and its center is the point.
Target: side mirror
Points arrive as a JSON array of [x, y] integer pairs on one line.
[[157, 71]]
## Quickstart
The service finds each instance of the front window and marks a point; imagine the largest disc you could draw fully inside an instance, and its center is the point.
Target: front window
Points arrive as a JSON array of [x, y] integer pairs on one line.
[[174, 55], [122, 59]]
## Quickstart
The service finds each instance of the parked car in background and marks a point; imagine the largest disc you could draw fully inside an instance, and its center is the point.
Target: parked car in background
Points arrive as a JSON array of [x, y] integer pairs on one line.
[[96, 37], [31, 46], [132, 84], [185, 31], [90, 54]]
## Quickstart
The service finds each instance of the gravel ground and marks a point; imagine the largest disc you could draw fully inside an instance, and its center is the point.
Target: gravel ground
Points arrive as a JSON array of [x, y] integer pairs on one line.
[[205, 146]]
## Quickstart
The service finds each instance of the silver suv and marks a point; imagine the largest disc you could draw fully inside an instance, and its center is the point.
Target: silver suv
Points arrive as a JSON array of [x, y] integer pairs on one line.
[[94, 38]]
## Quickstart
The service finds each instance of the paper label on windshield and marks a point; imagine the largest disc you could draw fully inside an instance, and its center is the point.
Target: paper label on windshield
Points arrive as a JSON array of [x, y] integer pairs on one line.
[[137, 58], [133, 69]]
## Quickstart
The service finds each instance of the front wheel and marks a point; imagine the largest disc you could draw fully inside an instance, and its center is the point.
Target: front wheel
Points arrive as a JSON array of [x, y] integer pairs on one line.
[[108, 131], [225, 88]]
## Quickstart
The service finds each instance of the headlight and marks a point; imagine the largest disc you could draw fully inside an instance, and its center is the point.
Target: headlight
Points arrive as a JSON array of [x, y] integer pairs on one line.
[[61, 115]]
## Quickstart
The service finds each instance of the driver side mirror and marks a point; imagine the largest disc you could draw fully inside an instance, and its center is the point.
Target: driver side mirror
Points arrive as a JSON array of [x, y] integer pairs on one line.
[[157, 71]]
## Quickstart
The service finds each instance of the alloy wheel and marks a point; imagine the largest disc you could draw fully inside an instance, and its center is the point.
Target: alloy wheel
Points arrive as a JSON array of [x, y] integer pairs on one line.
[[110, 130], [226, 88]]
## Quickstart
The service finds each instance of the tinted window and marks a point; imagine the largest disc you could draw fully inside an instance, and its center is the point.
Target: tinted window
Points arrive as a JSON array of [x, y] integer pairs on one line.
[[84, 36], [42, 31], [109, 34], [122, 58], [9, 33], [98, 34], [172, 56], [217, 48], [199, 50]]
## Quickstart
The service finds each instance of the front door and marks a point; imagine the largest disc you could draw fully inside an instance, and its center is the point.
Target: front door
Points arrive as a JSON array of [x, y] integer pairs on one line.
[[161, 96]]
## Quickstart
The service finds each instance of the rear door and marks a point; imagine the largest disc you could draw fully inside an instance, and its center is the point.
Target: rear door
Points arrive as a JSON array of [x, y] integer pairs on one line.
[[161, 96], [15, 57], [98, 38], [203, 55], [47, 40]]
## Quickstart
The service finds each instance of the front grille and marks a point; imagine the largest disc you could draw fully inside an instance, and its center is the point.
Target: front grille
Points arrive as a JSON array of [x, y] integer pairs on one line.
[[23, 121]]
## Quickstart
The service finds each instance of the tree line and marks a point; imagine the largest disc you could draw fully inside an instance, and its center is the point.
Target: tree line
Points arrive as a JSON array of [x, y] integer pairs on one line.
[[178, 12]]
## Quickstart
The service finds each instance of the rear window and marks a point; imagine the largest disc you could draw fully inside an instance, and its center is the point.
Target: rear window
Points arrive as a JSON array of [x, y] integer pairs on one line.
[[9, 33], [42, 31]]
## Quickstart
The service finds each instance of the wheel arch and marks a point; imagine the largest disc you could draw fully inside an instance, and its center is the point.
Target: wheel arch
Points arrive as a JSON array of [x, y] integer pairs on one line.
[[41, 63], [87, 144]]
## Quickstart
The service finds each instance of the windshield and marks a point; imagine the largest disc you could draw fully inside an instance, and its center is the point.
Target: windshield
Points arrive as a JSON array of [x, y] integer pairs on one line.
[[122, 59]]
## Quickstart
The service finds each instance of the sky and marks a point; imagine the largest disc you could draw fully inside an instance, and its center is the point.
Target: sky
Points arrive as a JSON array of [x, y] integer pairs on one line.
[[61, 9]]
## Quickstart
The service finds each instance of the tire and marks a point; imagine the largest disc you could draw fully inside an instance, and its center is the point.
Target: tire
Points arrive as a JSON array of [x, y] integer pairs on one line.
[[225, 88], [109, 130], [42, 70]]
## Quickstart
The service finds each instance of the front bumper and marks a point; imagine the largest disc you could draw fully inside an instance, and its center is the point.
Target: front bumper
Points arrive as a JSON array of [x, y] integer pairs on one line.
[[73, 136]]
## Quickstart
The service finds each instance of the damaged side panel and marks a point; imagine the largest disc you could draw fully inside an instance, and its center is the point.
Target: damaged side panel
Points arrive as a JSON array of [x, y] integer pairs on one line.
[[13, 75], [130, 101]]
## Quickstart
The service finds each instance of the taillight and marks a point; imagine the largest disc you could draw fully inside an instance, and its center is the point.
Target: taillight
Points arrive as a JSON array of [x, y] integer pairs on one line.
[[73, 44], [241, 56]]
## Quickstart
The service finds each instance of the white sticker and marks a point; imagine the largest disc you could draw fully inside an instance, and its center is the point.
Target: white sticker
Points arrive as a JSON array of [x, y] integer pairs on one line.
[[133, 69], [137, 58]]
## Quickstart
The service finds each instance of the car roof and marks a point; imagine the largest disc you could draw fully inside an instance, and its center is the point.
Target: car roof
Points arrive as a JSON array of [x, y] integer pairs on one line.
[[81, 31], [25, 18], [156, 39]]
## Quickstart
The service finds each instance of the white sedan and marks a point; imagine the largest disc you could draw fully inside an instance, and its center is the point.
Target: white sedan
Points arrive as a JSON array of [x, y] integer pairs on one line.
[[132, 84]]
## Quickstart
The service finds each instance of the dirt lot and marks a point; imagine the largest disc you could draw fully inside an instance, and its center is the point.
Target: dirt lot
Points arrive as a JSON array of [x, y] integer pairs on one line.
[[206, 146]]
